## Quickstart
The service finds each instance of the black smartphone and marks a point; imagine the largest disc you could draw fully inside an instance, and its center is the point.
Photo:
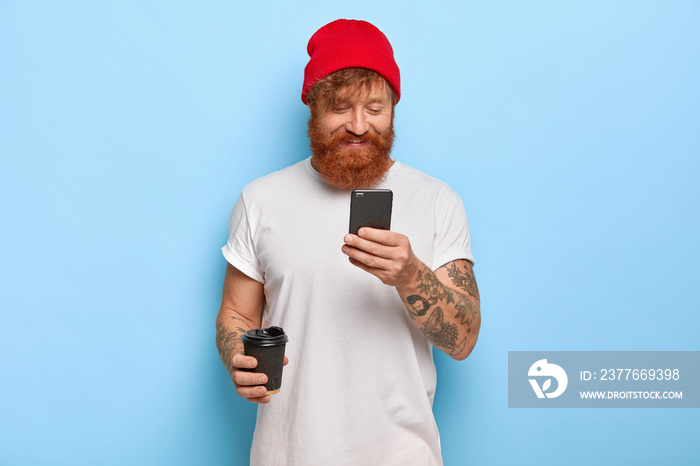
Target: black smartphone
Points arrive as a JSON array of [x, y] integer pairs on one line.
[[370, 208]]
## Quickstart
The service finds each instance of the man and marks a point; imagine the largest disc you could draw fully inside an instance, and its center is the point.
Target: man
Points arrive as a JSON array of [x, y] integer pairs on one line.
[[362, 312]]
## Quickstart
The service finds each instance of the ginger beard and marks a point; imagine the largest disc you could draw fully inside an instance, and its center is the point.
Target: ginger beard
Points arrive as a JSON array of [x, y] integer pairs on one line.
[[348, 168]]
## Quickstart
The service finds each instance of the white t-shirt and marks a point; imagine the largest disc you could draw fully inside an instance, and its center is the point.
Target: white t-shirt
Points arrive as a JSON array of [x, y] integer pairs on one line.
[[359, 386]]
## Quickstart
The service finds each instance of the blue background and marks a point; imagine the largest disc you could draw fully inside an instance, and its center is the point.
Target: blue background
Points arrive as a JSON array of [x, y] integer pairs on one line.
[[127, 130]]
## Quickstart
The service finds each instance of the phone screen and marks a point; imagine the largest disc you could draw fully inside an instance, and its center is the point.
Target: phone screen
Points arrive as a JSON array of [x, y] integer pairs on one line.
[[370, 208]]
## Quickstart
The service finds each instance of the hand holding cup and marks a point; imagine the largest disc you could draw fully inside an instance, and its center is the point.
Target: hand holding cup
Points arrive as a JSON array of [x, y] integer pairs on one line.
[[249, 385], [258, 371]]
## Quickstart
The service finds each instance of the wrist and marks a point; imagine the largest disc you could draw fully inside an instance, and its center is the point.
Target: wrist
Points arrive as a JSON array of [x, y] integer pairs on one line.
[[410, 276]]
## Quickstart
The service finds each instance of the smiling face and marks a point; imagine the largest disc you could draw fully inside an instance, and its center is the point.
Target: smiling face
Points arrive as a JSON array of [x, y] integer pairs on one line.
[[352, 134]]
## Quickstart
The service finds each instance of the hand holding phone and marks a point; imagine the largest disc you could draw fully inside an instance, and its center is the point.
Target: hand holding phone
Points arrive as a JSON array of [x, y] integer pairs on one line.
[[385, 254]]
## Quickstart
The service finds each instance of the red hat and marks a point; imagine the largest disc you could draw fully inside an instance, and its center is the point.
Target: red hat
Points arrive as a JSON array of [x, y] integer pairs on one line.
[[349, 43]]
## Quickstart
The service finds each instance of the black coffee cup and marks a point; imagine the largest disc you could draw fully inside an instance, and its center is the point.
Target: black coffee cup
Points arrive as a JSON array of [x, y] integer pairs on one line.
[[267, 346]]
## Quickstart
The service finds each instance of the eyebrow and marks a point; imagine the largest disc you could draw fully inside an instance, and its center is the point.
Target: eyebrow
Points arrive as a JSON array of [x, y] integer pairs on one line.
[[372, 101]]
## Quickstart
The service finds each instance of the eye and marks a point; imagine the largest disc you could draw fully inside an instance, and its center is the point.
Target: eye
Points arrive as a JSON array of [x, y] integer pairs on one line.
[[375, 110]]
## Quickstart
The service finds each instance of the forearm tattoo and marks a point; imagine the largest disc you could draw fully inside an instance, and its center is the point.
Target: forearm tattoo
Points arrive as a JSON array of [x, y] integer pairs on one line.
[[228, 341], [464, 280], [434, 296]]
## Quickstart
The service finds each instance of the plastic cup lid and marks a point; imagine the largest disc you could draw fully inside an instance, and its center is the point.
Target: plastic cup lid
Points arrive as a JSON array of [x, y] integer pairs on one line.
[[271, 336]]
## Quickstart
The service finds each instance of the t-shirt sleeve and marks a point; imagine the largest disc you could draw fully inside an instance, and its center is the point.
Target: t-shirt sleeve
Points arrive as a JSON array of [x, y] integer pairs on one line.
[[239, 250], [453, 240]]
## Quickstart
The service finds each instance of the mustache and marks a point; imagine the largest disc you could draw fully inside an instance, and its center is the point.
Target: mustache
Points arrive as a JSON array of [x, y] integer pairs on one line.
[[347, 136]]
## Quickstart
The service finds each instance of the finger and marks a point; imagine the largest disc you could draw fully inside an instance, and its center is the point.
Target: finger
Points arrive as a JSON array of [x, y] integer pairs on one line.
[[261, 399], [243, 378], [286, 361], [364, 267], [387, 237], [242, 361], [252, 392], [367, 259], [372, 247]]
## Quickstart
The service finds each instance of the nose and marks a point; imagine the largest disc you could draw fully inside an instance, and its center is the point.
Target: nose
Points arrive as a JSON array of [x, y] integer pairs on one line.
[[357, 124]]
